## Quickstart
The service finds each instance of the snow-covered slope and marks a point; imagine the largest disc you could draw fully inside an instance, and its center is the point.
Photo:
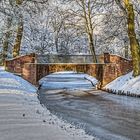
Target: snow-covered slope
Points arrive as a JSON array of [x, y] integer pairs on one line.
[[23, 118], [10, 83], [126, 83]]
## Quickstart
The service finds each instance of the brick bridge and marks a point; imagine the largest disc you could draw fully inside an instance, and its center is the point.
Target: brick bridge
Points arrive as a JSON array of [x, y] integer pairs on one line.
[[112, 67]]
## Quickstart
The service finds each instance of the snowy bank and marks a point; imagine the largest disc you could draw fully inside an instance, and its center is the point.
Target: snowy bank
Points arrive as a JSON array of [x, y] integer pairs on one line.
[[126, 84], [22, 116]]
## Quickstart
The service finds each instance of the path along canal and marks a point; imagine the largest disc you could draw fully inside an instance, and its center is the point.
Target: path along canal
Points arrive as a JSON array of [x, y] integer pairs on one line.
[[106, 116]]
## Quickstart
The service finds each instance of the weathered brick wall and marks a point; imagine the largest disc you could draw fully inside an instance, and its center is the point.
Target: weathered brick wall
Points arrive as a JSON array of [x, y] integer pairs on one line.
[[109, 73], [29, 73], [114, 67], [34, 72], [123, 65], [105, 73], [16, 65]]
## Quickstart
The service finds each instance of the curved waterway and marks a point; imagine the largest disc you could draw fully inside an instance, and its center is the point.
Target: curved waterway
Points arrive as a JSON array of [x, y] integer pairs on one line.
[[106, 116]]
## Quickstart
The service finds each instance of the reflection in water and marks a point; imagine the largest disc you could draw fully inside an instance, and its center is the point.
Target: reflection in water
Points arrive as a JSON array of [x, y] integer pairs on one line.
[[109, 117]]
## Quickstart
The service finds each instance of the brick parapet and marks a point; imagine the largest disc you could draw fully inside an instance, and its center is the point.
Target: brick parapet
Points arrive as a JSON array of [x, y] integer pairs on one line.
[[16, 65]]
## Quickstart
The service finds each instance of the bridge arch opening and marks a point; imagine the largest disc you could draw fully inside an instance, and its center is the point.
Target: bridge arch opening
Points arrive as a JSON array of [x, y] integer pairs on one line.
[[68, 80]]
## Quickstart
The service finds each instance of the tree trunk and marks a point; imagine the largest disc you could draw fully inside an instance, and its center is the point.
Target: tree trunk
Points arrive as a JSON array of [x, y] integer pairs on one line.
[[56, 42], [91, 45], [19, 2], [126, 51], [6, 39], [18, 39], [16, 48], [134, 45], [89, 27]]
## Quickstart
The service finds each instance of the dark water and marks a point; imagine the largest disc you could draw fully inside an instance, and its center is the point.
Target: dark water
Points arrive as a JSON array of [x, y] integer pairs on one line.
[[106, 116]]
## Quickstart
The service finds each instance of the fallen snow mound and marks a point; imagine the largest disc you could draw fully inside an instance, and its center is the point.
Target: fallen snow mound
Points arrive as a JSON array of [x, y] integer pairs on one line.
[[126, 83]]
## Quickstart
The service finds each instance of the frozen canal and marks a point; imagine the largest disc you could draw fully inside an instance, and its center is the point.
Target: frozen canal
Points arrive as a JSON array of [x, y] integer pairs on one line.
[[106, 116]]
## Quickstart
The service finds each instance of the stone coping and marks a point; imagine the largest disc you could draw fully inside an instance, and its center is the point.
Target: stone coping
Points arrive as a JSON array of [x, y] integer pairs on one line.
[[69, 63]]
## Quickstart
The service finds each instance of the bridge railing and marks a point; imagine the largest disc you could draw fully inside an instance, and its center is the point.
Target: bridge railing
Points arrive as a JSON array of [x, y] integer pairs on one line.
[[60, 58]]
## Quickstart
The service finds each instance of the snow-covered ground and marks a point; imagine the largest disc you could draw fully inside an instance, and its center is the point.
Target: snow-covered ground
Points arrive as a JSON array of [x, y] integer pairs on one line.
[[126, 83], [23, 118]]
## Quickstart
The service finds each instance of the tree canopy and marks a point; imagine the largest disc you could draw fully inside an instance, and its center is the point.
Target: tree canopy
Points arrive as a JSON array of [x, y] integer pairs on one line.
[[71, 27]]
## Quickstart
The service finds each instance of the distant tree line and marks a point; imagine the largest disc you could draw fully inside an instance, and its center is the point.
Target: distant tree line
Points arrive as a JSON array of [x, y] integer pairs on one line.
[[71, 26]]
